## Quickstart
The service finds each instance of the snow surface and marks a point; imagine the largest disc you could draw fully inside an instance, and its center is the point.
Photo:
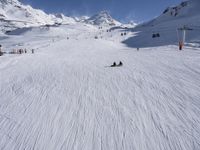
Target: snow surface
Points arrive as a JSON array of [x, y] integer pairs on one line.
[[66, 97]]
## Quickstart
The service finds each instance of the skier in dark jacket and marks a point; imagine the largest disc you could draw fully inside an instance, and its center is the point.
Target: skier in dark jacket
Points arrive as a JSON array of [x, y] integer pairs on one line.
[[113, 65], [120, 63], [1, 53]]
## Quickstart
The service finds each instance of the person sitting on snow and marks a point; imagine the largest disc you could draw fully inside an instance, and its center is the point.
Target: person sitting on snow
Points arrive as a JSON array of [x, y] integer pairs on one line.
[[120, 63], [113, 65]]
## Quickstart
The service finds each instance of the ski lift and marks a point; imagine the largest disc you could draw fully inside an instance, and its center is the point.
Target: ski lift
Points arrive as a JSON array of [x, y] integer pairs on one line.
[[182, 41], [155, 35]]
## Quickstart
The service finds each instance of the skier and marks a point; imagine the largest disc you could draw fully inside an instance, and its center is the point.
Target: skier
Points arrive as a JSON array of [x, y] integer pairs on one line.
[[120, 64], [113, 65], [1, 53], [180, 45]]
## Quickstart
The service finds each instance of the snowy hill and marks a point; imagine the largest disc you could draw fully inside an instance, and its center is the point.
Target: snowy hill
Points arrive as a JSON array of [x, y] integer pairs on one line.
[[65, 95], [102, 18], [168, 25], [81, 18], [180, 13], [65, 19], [14, 14]]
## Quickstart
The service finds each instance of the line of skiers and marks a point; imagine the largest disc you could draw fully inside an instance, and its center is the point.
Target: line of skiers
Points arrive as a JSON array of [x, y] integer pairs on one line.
[[16, 51], [21, 51]]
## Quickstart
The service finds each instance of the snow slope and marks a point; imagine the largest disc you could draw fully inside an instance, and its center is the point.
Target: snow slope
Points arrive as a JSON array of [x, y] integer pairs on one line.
[[186, 14], [180, 13], [14, 14], [65, 19], [66, 97], [102, 19]]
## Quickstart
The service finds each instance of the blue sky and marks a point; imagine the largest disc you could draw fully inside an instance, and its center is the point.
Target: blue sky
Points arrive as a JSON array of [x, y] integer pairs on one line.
[[122, 10]]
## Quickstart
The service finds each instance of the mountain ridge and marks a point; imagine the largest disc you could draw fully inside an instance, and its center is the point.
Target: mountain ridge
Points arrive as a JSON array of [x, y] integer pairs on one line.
[[14, 14], [102, 18]]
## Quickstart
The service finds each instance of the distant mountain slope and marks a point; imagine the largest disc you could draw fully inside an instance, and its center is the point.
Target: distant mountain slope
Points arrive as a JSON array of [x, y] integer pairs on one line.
[[167, 25], [182, 14], [102, 18], [13, 14], [65, 19]]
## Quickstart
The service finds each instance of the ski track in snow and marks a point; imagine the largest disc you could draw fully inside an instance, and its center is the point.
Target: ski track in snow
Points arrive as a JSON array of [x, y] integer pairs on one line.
[[64, 97]]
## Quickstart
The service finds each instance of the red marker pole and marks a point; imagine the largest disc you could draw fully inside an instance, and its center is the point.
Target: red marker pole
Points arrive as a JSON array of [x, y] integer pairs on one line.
[[180, 45]]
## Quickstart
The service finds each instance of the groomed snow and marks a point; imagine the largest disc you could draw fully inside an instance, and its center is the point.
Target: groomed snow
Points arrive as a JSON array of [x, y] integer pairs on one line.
[[65, 97]]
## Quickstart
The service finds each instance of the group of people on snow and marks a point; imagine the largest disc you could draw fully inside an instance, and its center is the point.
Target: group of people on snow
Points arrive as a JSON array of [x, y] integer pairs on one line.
[[115, 65], [21, 51], [16, 51]]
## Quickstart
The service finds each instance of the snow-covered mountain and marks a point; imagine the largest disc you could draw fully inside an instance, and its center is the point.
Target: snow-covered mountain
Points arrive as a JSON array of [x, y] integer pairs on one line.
[[14, 14], [65, 19], [81, 18], [185, 13], [102, 18], [130, 24], [168, 25]]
